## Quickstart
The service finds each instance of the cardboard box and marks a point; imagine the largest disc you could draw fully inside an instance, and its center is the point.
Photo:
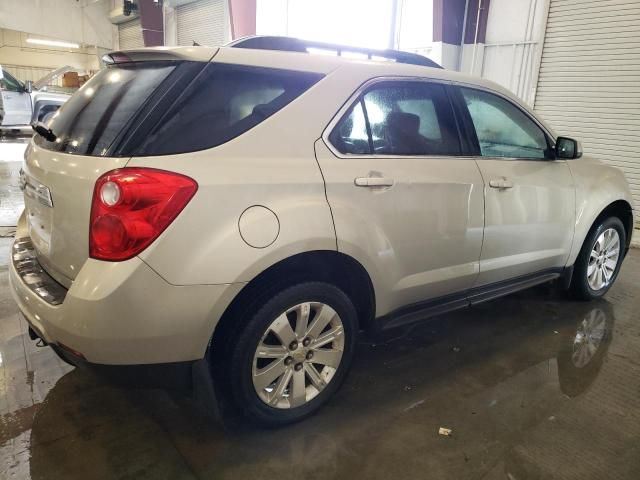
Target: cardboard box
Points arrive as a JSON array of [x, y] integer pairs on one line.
[[71, 79], [82, 79]]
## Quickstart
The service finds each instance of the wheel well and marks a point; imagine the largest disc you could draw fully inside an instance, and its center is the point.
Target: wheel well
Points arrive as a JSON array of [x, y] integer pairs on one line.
[[624, 212], [332, 267]]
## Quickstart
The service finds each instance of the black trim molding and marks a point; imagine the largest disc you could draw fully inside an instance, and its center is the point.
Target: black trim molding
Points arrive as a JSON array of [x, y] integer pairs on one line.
[[429, 308]]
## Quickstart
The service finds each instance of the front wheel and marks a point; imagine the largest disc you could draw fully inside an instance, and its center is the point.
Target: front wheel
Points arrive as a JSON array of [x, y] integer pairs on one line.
[[293, 353], [599, 262]]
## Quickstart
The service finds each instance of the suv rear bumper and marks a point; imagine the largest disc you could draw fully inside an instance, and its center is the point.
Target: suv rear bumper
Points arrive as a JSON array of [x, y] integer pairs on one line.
[[154, 375], [124, 313]]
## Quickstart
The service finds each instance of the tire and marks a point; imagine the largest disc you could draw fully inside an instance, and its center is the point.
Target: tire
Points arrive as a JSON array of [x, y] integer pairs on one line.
[[581, 287], [305, 385]]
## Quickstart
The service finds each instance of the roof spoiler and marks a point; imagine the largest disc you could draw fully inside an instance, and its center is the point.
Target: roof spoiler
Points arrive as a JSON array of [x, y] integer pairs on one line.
[[175, 54], [290, 44]]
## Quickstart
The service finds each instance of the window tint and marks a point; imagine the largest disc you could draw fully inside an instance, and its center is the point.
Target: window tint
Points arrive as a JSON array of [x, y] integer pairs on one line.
[[503, 129], [350, 136], [404, 118], [223, 102], [10, 83], [90, 120]]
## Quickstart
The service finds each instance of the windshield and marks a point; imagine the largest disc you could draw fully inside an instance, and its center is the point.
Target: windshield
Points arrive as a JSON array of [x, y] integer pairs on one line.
[[92, 118]]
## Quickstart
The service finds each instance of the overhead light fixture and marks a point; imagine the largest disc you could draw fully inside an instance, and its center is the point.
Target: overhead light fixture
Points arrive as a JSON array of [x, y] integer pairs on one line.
[[52, 43]]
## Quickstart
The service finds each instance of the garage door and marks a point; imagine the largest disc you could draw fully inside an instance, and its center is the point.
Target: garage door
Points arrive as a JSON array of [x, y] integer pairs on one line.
[[201, 22], [130, 34], [589, 84]]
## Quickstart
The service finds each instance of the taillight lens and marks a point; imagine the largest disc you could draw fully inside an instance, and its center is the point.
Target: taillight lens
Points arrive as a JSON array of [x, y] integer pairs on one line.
[[131, 207]]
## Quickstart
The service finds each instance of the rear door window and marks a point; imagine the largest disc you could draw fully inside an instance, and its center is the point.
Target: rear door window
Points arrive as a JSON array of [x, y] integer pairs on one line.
[[89, 122], [350, 135], [223, 102], [399, 118]]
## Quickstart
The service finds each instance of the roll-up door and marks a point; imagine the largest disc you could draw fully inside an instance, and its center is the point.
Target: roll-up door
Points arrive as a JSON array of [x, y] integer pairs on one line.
[[202, 22], [589, 83], [130, 34]]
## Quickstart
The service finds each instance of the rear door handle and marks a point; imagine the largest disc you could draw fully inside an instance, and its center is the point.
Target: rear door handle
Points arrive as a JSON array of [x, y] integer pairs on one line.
[[373, 182], [500, 183]]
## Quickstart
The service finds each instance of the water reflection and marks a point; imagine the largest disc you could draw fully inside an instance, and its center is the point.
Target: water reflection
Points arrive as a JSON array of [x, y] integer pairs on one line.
[[493, 374], [580, 361]]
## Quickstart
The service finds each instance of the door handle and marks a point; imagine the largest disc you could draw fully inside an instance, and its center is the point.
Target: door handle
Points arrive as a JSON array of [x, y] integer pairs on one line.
[[500, 183], [373, 182]]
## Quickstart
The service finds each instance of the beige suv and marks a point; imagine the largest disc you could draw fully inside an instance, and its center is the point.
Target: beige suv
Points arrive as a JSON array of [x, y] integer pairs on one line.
[[246, 211]]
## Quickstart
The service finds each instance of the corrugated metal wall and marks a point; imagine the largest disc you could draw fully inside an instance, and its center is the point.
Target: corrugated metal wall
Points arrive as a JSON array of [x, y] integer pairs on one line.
[[202, 22], [589, 83], [130, 34]]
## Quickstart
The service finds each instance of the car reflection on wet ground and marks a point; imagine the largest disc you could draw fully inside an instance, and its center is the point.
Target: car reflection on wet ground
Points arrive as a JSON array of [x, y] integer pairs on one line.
[[532, 386]]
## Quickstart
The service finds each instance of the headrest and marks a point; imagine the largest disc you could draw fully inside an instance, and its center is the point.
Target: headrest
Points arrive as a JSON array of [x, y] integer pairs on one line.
[[407, 123]]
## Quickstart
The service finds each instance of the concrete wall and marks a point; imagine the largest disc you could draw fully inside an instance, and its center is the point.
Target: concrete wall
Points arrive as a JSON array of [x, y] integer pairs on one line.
[[81, 21]]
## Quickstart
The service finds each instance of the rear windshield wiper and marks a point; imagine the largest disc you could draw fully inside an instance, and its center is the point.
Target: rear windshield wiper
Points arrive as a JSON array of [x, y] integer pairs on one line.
[[44, 131]]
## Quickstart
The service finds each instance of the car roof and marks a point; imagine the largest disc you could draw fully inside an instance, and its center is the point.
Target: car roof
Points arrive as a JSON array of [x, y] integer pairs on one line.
[[360, 67], [364, 69], [291, 44], [300, 61]]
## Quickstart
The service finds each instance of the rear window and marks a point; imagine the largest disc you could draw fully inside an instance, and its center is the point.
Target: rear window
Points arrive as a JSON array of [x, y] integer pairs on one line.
[[222, 103], [160, 109], [89, 122]]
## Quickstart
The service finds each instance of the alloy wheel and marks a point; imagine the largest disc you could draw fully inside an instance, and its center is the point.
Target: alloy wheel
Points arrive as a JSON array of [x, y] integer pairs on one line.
[[298, 355], [603, 259]]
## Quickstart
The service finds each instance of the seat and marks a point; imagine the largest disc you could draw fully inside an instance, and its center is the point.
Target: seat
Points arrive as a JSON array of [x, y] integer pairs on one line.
[[402, 132]]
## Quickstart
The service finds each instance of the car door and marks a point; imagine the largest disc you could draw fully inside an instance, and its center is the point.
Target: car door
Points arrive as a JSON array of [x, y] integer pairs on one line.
[[405, 203], [529, 196], [16, 102]]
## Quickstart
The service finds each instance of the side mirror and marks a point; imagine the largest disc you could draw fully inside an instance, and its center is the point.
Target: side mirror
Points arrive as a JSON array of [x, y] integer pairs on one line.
[[568, 148], [28, 86]]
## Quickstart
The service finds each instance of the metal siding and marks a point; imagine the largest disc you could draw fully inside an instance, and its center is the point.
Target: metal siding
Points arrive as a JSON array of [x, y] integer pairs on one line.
[[589, 83], [202, 22], [130, 35]]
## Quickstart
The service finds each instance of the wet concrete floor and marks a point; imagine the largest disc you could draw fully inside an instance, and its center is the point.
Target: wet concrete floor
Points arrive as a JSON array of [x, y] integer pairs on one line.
[[533, 386]]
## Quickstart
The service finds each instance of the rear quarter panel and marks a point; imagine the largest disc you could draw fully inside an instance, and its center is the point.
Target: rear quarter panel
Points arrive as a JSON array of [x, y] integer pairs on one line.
[[272, 165]]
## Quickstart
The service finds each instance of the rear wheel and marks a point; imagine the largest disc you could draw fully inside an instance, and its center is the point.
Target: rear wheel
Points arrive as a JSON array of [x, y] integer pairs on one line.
[[600, 259], [294, 353]]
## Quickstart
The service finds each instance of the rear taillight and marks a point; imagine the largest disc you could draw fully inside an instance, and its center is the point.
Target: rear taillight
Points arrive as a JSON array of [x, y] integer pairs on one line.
[[131, 207]]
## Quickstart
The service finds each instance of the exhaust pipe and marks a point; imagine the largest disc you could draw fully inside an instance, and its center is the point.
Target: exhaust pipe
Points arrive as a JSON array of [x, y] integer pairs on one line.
[[33, 335]]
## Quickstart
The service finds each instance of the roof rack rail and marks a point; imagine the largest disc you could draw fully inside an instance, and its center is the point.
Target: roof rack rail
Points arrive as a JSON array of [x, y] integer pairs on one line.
[[290, 44]]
